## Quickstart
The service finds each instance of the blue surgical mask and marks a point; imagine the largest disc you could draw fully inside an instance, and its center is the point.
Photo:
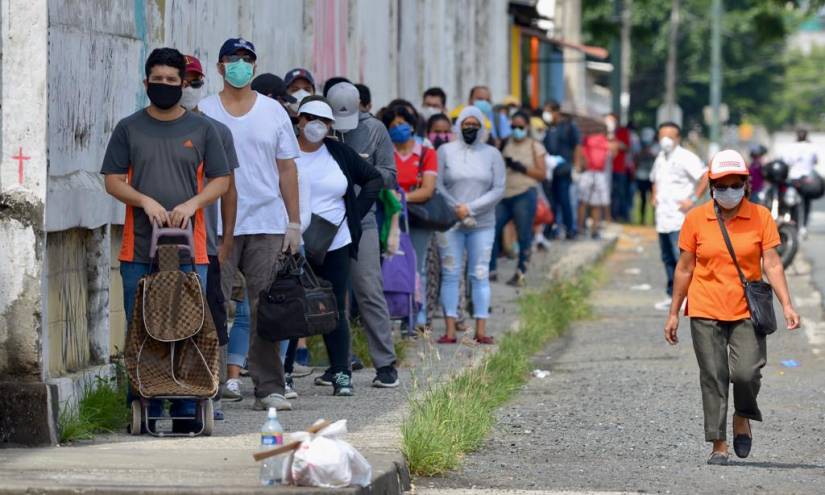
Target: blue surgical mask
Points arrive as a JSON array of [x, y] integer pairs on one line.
[[519, 134], [485, 106], [238, 74], [729, 198], [401, 133]]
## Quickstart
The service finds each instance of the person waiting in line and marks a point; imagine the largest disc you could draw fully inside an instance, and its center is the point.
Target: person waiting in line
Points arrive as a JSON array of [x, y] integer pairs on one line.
[[268, 220], [369, 138], [562, 138], [728, 348], [433, 102], [364, 98], [594, 182], [333, 170], [644, 165], [471, 178], [417, 167], [524, 158], [299, 84]]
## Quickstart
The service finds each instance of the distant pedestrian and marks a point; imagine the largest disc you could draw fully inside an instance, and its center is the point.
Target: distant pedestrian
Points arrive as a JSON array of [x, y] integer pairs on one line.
[[561, 138], [644, 165], [524, 158], [802, 160], [594, 181], [679, 179], [758, 153], [471, 178], [728, 348]]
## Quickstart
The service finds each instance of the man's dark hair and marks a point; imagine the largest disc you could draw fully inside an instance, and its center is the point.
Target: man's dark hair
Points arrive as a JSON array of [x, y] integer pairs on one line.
[[389, 114], [524, 115], [438, 93], [553, 105], [674, 125], [476, 88], [364, 94], [166, 56], [332, 81], [802, 134], [436, 118]]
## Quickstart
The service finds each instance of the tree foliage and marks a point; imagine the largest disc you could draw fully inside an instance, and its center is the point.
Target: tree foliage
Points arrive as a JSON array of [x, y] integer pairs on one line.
[[754, 65]]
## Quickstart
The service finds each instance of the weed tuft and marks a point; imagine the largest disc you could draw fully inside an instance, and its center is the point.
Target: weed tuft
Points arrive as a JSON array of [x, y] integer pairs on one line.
[[448, 420], [101, 408]]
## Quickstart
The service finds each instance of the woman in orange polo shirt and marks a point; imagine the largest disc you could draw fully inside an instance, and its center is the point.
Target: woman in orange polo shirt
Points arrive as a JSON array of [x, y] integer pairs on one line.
[[719, 317]]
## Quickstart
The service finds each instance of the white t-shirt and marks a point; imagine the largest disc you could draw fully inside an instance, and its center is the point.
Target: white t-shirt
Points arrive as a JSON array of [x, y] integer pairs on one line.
[[261, 136], [328, 186], [801, 159], [675, 177]]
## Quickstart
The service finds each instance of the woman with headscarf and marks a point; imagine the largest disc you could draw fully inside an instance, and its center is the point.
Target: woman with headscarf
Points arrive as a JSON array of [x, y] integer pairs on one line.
[[471, 178]]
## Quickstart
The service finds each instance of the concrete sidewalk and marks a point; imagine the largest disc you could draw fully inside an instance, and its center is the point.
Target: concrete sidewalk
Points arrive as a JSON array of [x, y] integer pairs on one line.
[[120, 464]]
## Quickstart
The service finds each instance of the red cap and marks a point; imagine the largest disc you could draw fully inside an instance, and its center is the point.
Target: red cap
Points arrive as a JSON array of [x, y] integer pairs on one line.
[[193, 65]]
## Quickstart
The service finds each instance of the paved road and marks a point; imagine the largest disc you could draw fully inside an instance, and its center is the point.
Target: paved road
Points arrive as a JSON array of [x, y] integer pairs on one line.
[[621, 411]]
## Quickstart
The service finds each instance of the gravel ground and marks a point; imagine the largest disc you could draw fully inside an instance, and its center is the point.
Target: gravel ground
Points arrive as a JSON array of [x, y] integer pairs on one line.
[[621, 410]]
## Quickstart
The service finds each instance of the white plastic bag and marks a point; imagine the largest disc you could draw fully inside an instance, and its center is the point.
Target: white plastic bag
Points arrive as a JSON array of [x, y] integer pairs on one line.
[[325, 460]]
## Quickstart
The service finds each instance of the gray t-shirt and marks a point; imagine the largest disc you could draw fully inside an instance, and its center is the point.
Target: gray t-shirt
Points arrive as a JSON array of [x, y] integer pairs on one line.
[[211, 211], [167, 161]]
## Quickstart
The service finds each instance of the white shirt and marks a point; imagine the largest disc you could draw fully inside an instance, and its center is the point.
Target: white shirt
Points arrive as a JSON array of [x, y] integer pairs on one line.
[[675, 177], [801, 159], [328, 186], [262, 136]]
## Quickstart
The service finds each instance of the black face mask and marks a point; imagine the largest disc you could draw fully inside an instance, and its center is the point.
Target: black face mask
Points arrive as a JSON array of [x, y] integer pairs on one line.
[[469, 134], [439, 141], [164, 96]]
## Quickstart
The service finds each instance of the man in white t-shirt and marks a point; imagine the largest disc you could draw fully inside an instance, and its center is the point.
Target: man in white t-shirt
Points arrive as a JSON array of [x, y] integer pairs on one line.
[[268, 220], [679, 179], [801, 159]]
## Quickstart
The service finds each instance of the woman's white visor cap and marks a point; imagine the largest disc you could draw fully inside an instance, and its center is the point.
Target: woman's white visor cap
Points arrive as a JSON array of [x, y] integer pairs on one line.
[[317, 108]]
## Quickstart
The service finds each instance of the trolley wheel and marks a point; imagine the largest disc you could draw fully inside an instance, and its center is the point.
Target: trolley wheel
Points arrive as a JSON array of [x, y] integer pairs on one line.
[[137, 417], [208, 412]]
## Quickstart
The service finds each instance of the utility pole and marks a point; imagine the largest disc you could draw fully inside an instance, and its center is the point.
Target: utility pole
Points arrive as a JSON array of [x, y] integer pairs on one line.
[[715, 74], [670, 69], [616, 59], [624, 116]]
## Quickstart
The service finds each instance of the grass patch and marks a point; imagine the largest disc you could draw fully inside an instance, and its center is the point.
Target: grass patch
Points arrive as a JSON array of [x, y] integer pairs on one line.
[[360, 347], [101, 408], [449, 420]]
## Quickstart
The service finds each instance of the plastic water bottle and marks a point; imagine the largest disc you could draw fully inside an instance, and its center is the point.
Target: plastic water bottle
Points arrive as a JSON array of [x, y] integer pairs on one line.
[[272, 437]]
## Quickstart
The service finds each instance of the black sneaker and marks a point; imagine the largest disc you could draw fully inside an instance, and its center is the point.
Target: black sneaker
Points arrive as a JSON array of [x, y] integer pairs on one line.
[[324, 380], [357, 364], [342, 385], [385, 377]]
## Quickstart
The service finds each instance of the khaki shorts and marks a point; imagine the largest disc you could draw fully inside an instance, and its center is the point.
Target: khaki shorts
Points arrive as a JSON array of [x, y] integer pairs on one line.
[[594, 189]]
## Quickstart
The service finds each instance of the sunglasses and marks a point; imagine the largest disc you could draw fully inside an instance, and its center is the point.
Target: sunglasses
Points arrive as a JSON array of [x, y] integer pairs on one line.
[[519, 127], [234, 58], [720, 187], [196, 83]]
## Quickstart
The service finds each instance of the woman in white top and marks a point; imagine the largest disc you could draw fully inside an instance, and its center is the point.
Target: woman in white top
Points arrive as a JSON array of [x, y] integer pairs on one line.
[[332, 169]]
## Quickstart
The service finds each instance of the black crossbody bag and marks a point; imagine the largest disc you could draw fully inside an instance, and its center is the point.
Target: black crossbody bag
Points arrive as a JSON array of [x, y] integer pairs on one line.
[[433, 214], [758, 293]]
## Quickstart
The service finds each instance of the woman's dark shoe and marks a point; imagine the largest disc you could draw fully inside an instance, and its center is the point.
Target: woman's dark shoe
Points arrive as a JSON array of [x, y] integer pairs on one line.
[[742, 443], [447, 340], [718, 459], [486, 340]]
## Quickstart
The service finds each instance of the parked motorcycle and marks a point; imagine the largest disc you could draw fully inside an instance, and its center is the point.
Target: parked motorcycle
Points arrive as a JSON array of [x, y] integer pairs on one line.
[[782, 199]]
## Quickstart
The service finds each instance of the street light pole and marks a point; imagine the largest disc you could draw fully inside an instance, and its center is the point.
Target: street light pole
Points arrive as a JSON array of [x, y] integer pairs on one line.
[[715, 74]]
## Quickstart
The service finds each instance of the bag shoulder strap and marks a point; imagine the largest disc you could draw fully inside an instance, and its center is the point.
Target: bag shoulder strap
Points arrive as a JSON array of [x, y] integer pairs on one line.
[[729, 245]]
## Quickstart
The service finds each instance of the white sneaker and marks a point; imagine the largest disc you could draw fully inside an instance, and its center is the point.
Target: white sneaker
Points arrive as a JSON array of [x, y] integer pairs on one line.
[[289, 391], [232, 390], [277, 401], [803, 233], [663, 305]]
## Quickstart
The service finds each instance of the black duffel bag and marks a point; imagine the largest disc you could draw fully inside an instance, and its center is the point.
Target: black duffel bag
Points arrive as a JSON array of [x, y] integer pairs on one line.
[[433, 214], [297, 304]]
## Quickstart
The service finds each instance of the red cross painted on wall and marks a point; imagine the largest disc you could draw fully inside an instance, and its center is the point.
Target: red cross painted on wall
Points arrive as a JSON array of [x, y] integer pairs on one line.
[[21, 158]]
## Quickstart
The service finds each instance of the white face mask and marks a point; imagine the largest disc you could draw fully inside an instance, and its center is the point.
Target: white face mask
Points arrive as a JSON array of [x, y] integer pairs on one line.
[[610, 123], [428, 111], [547, 117], [729, 198], [315, 131], [667, 144], [191, 97], [299, 96]]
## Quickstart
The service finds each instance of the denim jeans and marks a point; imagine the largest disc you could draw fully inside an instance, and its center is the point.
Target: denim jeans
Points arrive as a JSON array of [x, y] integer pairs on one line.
[[669, 245], [479, 246], [521, 209], [239, 334], [131, 273], [421, 242], [560, 200]]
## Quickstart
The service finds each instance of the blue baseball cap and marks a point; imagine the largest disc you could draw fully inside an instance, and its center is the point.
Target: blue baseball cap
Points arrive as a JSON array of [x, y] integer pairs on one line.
[[232, 45]]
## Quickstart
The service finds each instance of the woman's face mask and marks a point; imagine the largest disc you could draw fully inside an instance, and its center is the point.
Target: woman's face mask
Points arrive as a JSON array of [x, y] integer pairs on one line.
[[469, 134], [315, 131], [439, 138], [728, 198], [485, 106], [401, 133], [519, 133]]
